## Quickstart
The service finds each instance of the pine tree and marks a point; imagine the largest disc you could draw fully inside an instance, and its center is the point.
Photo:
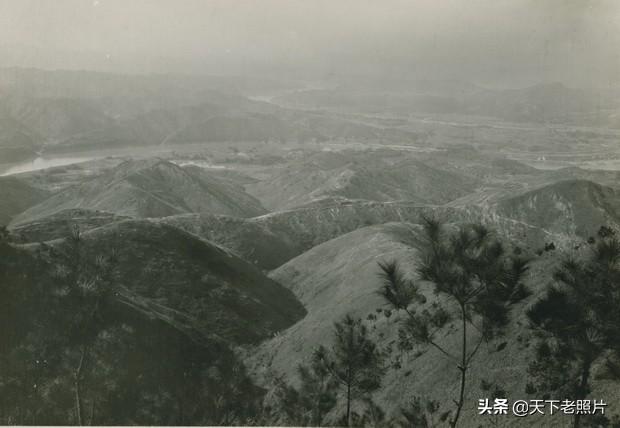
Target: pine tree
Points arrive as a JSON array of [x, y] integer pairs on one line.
[[578, 321], [86, 284], [4, 233], [419, 413], [316, 396], [317, 391], [478, 279], [353, 361], [373, 416]]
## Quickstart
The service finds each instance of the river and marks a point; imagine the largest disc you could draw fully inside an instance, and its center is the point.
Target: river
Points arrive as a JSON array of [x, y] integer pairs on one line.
[[42, 163]]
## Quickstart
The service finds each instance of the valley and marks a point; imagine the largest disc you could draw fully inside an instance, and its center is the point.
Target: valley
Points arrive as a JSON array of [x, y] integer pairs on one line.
[[240, 228]]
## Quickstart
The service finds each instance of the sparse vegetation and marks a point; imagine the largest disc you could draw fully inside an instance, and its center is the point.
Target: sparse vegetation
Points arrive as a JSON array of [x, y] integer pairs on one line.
[[420, 413], [88, 351], [352, 365], [353, 361], [315, 398], [186, 287], [577, 322], [474, 273]]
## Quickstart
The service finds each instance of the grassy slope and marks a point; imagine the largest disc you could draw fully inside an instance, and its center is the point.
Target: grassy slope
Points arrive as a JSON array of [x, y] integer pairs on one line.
[[227, 295], [577, 207], [17, 196], [152, 188], [358, 176], [340, 276], [146, 366], [61, 224], [273, 239]]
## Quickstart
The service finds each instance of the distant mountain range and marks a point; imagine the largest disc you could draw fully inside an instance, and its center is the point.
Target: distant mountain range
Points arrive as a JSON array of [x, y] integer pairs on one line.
[[549, 102], [71, 110], [227, 277]]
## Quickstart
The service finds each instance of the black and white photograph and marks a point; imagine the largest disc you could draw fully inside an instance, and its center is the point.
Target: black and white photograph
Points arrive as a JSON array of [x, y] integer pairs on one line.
[[310, 213]]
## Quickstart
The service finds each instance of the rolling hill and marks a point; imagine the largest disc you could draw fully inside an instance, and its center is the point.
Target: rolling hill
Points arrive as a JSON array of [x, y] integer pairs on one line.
[[574, 207], [61, 224], [339, 277], [16, 196], [148, 363], [228, 297], [17, 141], [358, 176], [150, 188], [272, 239]]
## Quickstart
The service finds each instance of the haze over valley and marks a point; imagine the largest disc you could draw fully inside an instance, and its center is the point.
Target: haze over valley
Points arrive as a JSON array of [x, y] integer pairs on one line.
[[198, 198]]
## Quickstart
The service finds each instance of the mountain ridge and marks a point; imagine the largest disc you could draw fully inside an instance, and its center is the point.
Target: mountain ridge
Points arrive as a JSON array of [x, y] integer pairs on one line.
[[150, 188]]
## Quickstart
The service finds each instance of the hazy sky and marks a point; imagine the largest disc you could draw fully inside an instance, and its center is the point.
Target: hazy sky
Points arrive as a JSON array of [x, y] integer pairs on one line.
[[494, 42]]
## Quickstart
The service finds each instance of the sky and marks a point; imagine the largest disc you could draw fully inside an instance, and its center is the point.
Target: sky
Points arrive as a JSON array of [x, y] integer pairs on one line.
[[506, 43]]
